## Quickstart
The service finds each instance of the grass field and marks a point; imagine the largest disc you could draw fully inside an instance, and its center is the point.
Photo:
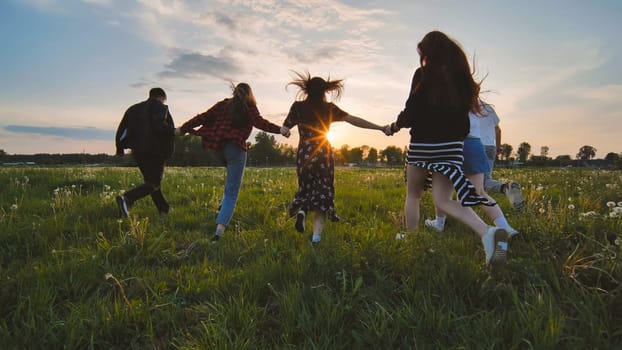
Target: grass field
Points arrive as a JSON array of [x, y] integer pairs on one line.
[[75, 276]]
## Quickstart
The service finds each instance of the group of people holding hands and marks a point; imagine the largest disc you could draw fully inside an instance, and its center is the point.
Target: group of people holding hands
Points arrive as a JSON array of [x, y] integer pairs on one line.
[[444, 151]]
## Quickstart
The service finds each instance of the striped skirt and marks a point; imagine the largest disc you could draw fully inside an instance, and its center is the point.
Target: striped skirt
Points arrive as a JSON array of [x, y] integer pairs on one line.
[[446, 158]]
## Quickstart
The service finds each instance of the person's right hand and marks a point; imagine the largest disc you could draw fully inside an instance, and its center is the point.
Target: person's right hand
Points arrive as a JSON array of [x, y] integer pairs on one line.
[[177, 131], [285, 131], [387, 130]]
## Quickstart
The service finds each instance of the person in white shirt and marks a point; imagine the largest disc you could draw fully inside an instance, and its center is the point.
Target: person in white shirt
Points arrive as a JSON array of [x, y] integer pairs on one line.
[[475, 166], [490, 135]]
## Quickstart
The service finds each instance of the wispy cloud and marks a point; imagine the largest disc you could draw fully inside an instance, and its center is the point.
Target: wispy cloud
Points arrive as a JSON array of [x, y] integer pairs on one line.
[[81, 133], [195, 65]]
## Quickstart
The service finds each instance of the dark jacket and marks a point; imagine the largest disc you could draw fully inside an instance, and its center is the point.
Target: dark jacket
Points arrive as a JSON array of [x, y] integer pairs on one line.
[[432, 123], [147, 127]]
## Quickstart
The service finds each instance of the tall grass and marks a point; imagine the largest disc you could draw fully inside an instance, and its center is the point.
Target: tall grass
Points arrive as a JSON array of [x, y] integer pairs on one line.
[[73, 275]]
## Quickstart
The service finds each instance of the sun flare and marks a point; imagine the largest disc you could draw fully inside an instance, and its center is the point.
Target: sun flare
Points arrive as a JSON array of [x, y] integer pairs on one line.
[[331, 135]]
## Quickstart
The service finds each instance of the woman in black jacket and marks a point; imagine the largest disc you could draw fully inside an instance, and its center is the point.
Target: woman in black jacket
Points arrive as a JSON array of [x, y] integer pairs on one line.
[[443, 92]]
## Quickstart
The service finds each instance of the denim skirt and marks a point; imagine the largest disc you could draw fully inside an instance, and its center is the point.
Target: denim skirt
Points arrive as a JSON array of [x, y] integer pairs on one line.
[[475, 159]]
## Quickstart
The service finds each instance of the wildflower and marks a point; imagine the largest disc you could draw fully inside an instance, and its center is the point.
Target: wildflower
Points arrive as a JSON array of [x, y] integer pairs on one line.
[[611, 204], [569, 199], [617, 210], [14, 207], [570, 206], [619, 204], [613, 214], [541, 211]]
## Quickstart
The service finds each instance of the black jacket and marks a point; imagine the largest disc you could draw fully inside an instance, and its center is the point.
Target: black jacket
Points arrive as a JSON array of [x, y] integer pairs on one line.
[[147, 127]]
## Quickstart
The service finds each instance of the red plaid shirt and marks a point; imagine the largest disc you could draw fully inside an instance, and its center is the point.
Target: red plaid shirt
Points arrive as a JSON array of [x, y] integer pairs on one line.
[[216, 129]]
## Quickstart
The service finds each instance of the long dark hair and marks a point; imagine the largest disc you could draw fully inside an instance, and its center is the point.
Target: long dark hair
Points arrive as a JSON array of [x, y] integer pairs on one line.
[[238, 107], [446, 76], [314, 89]]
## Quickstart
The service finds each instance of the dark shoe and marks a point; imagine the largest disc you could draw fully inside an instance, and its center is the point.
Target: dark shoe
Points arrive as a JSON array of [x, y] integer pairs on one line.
[[123, 211], [215, 238], [300, 221], [515, 195]]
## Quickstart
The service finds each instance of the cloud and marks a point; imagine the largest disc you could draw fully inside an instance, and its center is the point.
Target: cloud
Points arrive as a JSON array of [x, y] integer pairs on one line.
[[195, 65], [80, 133]]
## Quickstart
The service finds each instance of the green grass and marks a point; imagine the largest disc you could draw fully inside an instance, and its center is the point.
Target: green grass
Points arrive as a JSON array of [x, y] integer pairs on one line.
[[74, 276]]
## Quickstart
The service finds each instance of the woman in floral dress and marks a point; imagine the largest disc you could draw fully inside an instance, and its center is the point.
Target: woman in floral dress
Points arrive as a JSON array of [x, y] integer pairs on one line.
[[315, 164]]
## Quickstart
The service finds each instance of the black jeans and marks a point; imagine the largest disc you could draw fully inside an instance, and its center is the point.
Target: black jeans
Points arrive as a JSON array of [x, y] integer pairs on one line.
[[152, 168]]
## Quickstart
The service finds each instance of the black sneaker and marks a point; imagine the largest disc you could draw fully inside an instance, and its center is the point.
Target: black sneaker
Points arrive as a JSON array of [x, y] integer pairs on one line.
[[123, 211], [300, 221]]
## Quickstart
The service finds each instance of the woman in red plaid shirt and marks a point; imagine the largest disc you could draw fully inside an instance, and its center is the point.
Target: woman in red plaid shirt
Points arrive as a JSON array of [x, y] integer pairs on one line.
[[315, 164], [225, 127]]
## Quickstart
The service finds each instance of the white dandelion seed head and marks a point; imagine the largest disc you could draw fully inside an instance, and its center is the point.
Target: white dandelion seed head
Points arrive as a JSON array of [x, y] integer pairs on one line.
[[14, 207], [611, 204], [542, 211], [571, 207]]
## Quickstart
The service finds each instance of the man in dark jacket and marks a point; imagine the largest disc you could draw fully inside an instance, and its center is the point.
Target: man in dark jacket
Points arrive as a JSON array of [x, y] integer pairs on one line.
[[147, 129]]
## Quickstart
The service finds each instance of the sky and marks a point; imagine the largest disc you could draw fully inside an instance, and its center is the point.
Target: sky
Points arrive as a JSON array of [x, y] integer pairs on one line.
[[70, 68]]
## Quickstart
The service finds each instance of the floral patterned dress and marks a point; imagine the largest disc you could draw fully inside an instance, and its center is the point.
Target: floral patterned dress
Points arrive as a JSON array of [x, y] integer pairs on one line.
[[315, 163]]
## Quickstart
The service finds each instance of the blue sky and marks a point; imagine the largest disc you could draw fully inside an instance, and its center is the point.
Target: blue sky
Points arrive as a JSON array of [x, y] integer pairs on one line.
[[70, 68]]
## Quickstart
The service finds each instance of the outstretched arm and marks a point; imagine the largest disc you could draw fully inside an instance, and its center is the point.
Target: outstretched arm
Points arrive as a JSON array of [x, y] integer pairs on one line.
[[362, 123]]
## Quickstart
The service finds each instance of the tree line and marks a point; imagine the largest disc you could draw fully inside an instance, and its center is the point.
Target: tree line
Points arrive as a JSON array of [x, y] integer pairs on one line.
[[584, 157], [266, 151]]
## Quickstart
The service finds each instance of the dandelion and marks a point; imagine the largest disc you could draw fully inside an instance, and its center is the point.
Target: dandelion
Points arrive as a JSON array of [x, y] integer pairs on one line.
[[618, 210], [14, 207], [542, 211], [619, 204], [569, 199], [611, 204], [570, 206]]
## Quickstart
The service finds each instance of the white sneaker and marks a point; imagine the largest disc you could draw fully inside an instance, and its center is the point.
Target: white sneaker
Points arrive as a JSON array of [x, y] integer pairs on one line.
[[433, 224], [495, 243], [400, 236], [515, 195]]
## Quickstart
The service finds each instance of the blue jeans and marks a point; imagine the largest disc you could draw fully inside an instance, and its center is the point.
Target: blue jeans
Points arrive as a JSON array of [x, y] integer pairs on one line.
[[234, 158], [491, 185]]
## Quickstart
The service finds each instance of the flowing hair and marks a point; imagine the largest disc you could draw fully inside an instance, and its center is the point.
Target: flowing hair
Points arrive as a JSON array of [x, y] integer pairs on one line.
[[314, 89], [238, 107], [446, 76]]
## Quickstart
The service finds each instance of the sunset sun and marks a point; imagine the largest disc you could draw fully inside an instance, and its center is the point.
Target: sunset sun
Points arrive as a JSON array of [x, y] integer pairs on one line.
[[332, 135]]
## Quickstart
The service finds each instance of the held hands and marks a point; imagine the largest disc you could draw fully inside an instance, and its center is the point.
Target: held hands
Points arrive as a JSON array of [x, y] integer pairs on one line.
[[285, 131], [177, 131], [388, 130]]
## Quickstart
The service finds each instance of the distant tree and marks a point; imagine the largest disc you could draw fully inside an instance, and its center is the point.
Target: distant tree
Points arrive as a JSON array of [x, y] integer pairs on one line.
[[2, 154], [356, 155], [265, 151], [343, 154], [544, 151], [506, 151], [372, 156], [586, 152], [288, 153], [523, 151], [612, 158], [563, 160], [393, 155]]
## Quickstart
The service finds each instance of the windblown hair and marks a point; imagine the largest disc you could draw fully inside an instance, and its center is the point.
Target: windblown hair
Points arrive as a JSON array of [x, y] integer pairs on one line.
[[238, 107], [446, 76], [314, 89]]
